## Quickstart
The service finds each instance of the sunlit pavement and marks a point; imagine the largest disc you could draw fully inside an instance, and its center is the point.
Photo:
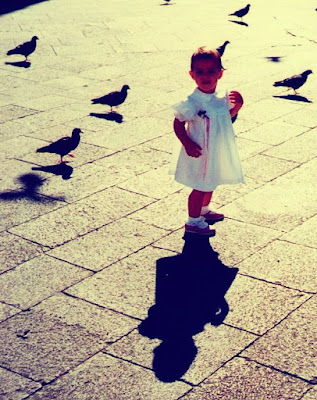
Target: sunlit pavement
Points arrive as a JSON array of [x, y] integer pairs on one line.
[[80, 241]]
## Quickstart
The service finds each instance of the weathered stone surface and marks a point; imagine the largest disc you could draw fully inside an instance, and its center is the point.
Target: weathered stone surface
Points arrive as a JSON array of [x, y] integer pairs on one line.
[[215, 346], [38, 279], [101, 248], [18, 146], [304, 117], [81, 217], [156, 183], [127, 286], [281, 204], [41, 347], [271, 167], [293, 148], [257, 306], [7, 311], [15, 250], [11, 112], [103, 377], [248, 380], [15, 386], [98, 321], [284, 263], [290, 346], [303, 234], [273, 132], [311, 394]]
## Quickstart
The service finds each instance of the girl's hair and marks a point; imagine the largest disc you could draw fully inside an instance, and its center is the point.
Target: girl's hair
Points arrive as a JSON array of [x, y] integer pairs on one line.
[[206, 54]]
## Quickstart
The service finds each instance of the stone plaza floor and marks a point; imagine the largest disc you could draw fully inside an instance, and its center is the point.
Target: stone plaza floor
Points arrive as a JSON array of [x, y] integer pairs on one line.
[[96, 302]]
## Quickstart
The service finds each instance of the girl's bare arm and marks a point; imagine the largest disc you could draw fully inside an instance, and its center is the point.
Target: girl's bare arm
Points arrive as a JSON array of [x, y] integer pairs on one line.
[[192, 148]]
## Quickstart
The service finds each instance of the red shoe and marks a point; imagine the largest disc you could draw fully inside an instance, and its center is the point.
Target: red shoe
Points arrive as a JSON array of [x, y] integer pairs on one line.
[[211, 217], [206, 231]]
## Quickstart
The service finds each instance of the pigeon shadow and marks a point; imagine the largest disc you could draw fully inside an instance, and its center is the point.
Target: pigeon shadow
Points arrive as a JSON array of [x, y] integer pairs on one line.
[[294, 97], [21, 64], [110, 116], [274, 59], [190, 290], [13, 5], [62, 169], [238, 22], [31, 184]]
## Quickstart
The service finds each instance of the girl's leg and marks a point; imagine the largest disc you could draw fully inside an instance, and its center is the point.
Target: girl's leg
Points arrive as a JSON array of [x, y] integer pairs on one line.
[[195, 202], [209, 215], [207, 198]]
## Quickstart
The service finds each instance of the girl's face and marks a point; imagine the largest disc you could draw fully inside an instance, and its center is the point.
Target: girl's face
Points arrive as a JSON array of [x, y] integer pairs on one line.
[[206, 74]]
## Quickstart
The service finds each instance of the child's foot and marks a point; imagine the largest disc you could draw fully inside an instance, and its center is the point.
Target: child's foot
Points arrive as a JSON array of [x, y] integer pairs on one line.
[[206, 231], [211, 217]]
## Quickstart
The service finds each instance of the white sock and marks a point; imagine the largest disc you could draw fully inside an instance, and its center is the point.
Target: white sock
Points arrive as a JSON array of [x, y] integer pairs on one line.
[[199, 221], [204, 210]]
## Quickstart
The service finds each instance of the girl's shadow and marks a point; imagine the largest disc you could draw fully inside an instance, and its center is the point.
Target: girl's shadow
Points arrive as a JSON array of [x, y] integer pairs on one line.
[[190, 290]]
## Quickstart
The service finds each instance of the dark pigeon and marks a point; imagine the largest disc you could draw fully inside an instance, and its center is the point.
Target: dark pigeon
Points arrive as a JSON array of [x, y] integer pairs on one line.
[[114, 98], [64, 145], [242, 12], [295, 81], [221, 49], [25, 49]]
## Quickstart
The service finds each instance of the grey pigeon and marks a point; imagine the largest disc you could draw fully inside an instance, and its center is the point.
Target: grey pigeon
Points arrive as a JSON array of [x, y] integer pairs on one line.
[[64, 145], [25, 49], [221, 49], [114, 98], [242, 12], [295, 81]]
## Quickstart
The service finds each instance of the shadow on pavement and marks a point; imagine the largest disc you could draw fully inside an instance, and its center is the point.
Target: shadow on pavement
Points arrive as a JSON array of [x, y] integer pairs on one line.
[[294, 97], [20, 64], [31, 184], [190, 290], [62, 169], [8, 6], [238, 22], [110, 116]]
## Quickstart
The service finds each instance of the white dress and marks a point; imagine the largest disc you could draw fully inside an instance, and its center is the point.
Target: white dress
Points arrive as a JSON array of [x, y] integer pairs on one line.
[[212, 130]]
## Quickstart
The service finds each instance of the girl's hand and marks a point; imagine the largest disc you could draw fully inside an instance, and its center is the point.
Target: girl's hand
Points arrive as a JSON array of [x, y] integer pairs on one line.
[[192, 149], [236, 99]]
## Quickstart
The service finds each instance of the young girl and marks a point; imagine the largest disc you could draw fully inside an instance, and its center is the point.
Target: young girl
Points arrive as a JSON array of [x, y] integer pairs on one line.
[[209, 155]]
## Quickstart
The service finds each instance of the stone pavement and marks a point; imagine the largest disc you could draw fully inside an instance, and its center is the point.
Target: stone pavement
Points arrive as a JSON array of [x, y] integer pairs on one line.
[[81, 256]]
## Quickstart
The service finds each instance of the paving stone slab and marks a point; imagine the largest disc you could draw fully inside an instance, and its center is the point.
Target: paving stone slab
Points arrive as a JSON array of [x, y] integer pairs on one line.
[[98, 321], [169, 213], [15, 386], [281, 204], [273, 132], [225, 194], [162, 143], [310, 395], [42, 348], [106, 378], [156, 183], [283, 263], [127, 286], [101, 248], [11, 112], [18, 146], [293, 149], [304, 117], [215, 346], [38, 279], [234, 241], [271, 167], [302, 234], [248, 380], [79, 218], [249, 147], [15, 250], [46, 102], [7, 311], [130, 133], [258, 306], [290, 345], [19, 208]]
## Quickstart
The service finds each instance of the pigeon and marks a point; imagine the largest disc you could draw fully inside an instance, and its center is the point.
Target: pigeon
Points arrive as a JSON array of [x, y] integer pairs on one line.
[[295, 81], [221, 49], [25, 49], [114, 98], [64, 145], [242, 12]]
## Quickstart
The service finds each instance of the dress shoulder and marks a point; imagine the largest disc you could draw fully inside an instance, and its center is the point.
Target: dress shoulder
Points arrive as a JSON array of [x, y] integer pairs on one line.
[[185, 110]]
